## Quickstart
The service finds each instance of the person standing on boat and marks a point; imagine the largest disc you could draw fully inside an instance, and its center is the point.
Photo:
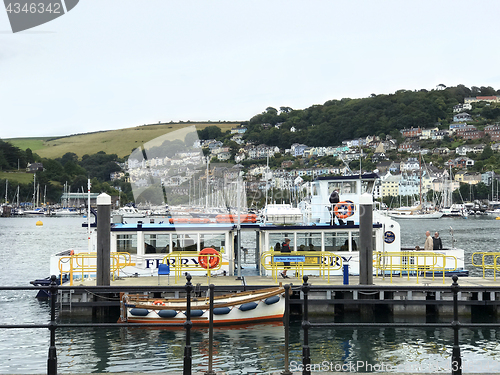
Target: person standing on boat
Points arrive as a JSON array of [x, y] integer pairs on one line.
[[334, 199], [429, 243], [438, 245], [285, 248]]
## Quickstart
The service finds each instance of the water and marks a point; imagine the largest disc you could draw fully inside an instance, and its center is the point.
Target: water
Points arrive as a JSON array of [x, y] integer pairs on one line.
[[244, 350]]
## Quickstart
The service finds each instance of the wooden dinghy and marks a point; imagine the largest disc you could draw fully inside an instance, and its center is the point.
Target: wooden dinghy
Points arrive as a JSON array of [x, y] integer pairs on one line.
[[245, 307]]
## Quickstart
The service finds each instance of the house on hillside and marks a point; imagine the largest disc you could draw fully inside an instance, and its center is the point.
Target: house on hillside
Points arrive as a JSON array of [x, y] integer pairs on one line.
[[462, 117], [34, 167]]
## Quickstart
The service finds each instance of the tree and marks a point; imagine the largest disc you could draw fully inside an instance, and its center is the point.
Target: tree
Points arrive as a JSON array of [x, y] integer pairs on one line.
[[210, 132]]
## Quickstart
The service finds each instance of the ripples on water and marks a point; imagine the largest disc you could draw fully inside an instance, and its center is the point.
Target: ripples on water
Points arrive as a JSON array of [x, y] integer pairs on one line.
[[243, 350]]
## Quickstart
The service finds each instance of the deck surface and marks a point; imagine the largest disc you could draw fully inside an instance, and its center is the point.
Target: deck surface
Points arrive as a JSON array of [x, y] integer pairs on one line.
[[313, 280]]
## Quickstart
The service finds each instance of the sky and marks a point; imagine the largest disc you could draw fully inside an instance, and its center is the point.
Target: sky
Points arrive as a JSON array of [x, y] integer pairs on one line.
[[112, 64]]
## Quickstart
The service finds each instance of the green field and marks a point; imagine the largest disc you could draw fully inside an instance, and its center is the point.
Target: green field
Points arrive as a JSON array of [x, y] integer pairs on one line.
[[120, 142], [20, 177], [32, 143]]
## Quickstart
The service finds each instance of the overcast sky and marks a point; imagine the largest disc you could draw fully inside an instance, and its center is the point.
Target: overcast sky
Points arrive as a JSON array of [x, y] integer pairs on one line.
[[110, 64]]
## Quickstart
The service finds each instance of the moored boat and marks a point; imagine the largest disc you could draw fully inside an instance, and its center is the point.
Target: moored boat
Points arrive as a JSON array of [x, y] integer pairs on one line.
[[235, 308]]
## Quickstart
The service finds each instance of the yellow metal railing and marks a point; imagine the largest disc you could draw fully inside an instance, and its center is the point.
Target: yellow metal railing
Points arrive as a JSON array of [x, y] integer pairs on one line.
[[179, 262], [86, 263], [413, 262], [323, 261], [488, 266]]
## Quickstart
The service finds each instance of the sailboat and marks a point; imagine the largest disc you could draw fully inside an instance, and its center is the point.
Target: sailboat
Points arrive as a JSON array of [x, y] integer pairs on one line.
[[415, 212], [449, 208]]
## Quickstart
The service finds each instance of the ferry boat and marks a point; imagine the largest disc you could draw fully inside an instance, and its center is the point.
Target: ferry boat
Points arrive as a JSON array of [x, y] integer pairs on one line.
[[207, 248]]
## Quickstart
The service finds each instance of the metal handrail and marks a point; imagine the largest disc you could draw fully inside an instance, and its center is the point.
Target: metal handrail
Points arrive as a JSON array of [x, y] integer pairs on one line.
[[81, 263], [416, 262], [486, 266], [326, 262], [174, 260]]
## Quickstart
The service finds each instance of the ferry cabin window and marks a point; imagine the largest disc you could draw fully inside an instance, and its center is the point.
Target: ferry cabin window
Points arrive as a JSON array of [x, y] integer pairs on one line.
[[275, 238], [315, 189], [309, 241], [345, 187], [334, 186], [335, 241], [157, 243], [184, 242], [215, 241], [339, 241], [367, 186], [126, 243]]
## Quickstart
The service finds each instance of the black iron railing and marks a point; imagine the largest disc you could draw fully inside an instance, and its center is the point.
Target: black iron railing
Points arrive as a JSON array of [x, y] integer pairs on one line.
[[305, 288], [455, 324]]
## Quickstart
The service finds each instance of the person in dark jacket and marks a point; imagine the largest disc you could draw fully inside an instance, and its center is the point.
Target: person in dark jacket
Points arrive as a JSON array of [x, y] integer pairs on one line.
[[437, 244], [334, 199], [285, 248]]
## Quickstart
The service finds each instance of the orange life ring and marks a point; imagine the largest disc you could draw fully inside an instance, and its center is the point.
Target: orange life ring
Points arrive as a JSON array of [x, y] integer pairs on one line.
[[208, 262], [343, 210], [158, 302]]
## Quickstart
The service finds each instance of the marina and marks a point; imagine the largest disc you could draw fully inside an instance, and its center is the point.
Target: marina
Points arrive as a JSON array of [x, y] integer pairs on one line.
[[402, 286]]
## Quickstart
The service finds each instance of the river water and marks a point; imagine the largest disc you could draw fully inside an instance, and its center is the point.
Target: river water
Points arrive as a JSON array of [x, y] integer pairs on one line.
[[244, 350]]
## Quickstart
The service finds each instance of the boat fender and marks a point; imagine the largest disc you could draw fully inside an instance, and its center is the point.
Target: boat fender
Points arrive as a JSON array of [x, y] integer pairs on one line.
[[158, 303], [167, 313], [139, 312], [222, 310], [248, 306], [195, 313], [271, 300]]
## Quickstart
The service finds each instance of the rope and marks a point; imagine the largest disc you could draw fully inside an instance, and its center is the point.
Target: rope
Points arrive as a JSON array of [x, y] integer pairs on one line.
[[97, 295]]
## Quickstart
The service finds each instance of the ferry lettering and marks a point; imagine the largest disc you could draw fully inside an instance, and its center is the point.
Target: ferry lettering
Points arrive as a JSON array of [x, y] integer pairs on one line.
[[335, 262], [346, 259], [151, 262]]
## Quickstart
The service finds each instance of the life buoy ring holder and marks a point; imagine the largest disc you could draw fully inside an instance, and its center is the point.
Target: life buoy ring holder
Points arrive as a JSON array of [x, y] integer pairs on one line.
[[343, 210], [208, 262]]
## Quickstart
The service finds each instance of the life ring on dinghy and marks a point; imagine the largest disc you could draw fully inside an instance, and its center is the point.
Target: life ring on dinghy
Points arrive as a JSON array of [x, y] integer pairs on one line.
[[343, 210], [208, 262]]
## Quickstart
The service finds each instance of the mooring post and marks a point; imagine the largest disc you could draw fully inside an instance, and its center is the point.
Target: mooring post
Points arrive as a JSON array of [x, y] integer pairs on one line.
[[103, 239], [210, 371], [52, 360], [188, 324], [366, 239], [456, 360], [286, 325], [306, 354]]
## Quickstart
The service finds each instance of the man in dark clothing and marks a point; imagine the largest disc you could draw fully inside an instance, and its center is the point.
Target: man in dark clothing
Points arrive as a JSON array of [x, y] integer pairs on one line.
[[334, 199], [437, 244], [285, 248]]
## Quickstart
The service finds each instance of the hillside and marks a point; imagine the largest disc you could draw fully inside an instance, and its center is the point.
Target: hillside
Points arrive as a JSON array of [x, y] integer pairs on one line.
[[337, 120], [120, 142]]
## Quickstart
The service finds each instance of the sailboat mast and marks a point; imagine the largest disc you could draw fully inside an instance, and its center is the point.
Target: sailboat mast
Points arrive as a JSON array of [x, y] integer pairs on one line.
[[420, 168]]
